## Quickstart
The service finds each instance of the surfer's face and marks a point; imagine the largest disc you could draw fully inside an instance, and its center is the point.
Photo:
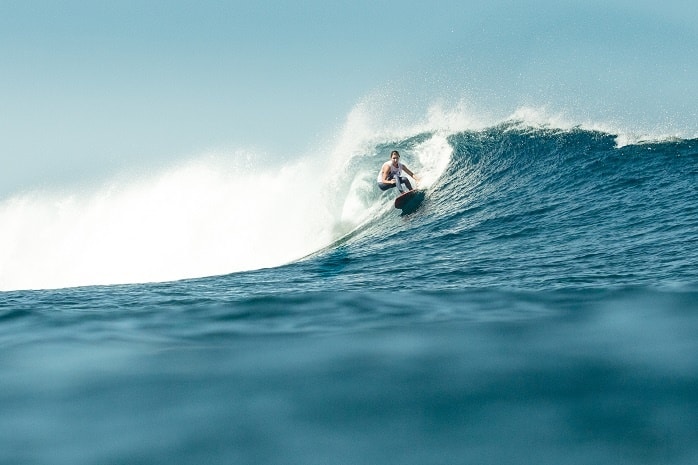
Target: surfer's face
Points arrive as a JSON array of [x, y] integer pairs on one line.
[[395, 159]]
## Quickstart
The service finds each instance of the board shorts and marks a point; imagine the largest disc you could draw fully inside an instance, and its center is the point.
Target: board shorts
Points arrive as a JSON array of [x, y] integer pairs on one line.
[[384, 187]]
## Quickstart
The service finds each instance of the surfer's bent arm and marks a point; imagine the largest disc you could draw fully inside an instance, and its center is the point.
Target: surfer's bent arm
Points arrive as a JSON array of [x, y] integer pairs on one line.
[[385, 172]]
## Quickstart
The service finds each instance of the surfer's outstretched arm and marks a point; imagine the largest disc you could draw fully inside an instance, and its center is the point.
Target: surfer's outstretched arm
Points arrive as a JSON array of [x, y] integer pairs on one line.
[[409, 171]]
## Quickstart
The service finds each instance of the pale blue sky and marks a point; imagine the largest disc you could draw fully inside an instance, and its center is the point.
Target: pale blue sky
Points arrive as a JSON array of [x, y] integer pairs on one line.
[[88, 88]]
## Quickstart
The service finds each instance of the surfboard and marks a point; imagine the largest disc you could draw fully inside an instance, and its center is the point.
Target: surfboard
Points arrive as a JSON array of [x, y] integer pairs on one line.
[[409, 201]]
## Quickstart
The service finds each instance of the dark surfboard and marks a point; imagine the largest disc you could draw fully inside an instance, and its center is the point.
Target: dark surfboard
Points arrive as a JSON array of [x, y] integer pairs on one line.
[[410, 201]]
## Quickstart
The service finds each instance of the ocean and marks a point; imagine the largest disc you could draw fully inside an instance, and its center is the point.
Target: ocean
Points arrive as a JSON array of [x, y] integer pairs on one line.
[[541, 306]]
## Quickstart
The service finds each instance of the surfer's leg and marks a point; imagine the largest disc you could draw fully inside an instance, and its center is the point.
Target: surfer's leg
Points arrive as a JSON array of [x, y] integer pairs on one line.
[[398, 183], [407, 183]]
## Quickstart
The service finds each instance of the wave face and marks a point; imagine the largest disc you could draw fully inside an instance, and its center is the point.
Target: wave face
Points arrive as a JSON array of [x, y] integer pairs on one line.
[[536, 208]]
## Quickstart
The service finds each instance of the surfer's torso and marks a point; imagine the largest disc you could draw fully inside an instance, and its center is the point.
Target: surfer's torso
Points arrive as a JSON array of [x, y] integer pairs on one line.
[[394, 170]]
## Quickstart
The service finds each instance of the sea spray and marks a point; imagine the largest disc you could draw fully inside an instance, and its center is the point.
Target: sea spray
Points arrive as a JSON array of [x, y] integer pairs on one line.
[[204, 217]]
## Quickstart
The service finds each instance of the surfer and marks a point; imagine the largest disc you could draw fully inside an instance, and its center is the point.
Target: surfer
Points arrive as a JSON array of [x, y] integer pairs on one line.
[[391, 174]]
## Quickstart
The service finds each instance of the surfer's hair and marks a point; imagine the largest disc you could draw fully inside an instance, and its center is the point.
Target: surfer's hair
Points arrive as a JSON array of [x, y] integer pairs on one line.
[[394, 152]]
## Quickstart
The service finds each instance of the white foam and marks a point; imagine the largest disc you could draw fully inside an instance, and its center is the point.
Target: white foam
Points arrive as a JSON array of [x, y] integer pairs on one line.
[[205, 217], [543, 117]]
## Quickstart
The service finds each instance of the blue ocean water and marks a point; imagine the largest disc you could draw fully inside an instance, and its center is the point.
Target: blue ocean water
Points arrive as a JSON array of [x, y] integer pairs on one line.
[[540, 307]]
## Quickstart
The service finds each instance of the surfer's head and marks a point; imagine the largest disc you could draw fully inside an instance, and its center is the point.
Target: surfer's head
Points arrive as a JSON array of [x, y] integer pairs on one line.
[[395, 157]]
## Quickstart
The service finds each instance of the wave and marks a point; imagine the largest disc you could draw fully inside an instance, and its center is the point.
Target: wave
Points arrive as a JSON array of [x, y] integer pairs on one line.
[[221, 213]]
